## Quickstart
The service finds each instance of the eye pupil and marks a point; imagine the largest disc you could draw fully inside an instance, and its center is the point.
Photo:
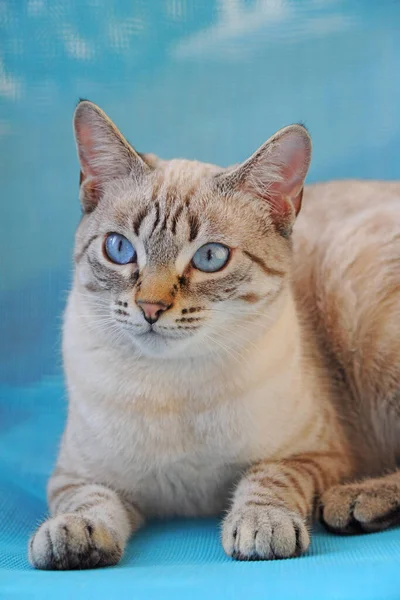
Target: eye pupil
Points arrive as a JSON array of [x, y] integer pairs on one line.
[[211, 257], [119, 249]]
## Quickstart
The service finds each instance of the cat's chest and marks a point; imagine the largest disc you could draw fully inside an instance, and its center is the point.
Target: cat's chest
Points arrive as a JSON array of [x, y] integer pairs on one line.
[[175, 444], [135, 435], [155, 439], [177, 463]]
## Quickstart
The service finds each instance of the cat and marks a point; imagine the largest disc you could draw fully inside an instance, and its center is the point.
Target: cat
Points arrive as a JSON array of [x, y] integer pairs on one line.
[[222, 358]]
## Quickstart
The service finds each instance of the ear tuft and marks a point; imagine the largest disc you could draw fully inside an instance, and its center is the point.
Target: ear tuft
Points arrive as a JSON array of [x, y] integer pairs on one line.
[[275, 173], [104, 153]]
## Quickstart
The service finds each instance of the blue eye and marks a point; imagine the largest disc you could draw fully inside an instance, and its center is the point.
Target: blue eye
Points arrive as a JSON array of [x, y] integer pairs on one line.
[[211, 257], [119, 250]]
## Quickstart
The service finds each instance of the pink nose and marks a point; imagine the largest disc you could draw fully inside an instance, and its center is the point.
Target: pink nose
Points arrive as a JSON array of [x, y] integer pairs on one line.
[[151, 310]]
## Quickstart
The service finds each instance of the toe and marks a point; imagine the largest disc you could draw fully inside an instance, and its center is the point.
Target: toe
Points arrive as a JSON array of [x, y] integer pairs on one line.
[[338, 505]]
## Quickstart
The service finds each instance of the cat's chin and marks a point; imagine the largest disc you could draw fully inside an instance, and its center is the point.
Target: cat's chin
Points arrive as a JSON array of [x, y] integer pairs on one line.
[[154, 344]]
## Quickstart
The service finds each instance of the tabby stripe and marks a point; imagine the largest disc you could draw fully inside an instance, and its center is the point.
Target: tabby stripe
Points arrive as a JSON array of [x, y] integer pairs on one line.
[[276, 500], [86, 496], [303, 509], [63, 501], [163, 224], [291, 487], [189, 194], [256, 503], [155, 191], [61, 490], [87, 506], [267, 500], [271, 492], [325, 475], [79, 256], [194, 227], [156, 220], [91, 287], [257, 468], [138, 220], [319, 471], [317, 456], [170, 195], [251, 298], [259, 261], [267, 482], [97, 266], [294, 483], [175, 218], [313, 472]]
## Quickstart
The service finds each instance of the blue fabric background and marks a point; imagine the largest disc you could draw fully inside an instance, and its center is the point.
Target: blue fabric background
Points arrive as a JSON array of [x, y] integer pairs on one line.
[[179, 560], [205, 79]]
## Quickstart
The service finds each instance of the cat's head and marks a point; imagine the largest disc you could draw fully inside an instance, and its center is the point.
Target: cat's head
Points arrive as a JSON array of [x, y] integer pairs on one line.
[[179, 257]]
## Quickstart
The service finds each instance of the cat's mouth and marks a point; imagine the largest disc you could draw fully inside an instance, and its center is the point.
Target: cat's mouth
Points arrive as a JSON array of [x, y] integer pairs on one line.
[[154, 334], [150, 333]]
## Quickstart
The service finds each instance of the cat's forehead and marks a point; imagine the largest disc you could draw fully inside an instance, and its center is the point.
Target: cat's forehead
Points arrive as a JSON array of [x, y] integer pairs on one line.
[[173, 217], [180, 169], [182, 175], [176, 187], [171, 182]]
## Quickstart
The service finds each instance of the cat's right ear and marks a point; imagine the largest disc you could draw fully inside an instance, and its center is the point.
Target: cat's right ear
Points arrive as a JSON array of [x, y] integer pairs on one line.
[[275, 174], [104, 154]]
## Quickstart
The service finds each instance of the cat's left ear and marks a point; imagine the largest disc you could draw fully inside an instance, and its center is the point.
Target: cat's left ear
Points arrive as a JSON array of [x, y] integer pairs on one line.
[[104, 153], [275, 173]]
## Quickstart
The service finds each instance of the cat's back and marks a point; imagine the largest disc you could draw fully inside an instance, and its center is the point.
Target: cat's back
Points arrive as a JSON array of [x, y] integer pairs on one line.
[[338, 205], [346, 229], [347, 284]]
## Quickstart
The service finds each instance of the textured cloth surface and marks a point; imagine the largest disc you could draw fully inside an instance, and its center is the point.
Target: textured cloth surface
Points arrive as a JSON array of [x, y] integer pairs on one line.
[[177, 560]]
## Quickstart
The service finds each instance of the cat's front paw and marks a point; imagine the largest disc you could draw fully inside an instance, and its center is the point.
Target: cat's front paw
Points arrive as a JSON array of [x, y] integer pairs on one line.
[[71, 541], [264, 532], [361, 507]]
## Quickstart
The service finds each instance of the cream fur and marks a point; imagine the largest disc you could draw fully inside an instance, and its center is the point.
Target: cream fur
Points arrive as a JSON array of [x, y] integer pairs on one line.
[[264, 406]]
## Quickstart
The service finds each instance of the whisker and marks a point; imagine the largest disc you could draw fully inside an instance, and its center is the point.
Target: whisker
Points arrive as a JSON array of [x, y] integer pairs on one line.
[[236, 356], [92, 297], [237, 309], [235, 346], [93, 314], [243, 338], [97, 318], [236, 312]]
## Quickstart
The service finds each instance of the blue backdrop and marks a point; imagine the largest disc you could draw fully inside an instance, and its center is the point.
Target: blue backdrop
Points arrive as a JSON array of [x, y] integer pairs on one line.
[[208, 79]]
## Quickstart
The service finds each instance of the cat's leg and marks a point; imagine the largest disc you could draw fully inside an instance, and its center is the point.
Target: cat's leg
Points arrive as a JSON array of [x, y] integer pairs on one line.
[[273, 504], [367, 506], [89, 527]]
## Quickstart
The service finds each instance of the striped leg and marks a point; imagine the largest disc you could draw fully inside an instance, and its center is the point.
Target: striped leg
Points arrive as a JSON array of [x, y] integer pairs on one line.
[[89, 527], [273, 504]]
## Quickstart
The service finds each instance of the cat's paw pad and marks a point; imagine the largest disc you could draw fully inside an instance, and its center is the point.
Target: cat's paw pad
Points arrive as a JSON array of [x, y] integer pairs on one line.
[[264, 532], [362, 507], [71, 541]]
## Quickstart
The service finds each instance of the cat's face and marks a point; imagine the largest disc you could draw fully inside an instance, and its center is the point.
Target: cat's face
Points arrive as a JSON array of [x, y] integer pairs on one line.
[[179, 257]]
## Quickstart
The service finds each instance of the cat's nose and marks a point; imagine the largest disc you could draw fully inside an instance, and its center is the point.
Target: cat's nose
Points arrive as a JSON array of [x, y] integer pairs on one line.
[[152, 310]]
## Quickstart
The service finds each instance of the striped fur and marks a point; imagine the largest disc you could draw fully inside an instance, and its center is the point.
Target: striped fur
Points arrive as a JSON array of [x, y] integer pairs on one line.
[[260, 388]]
